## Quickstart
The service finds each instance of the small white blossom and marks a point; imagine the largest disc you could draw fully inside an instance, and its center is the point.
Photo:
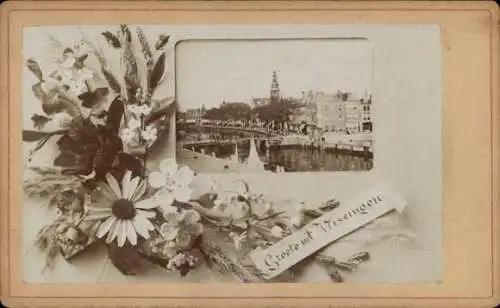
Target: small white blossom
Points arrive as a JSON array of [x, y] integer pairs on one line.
[[173, 182], [145, 109], [134, 123], [62, 119], [136, 110], [297, 220], [78, 87], [150, 134], [238, 239], [69, 61], [277, 231], [128, 135]]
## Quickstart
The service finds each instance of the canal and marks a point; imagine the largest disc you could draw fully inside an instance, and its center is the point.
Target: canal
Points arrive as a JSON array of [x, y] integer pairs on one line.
[[292, 158]]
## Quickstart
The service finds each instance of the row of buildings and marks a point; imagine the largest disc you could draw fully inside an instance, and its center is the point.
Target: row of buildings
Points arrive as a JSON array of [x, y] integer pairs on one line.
[[340, 112]]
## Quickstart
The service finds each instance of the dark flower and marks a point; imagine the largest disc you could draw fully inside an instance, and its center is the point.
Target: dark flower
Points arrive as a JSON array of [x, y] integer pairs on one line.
[[88, 148]]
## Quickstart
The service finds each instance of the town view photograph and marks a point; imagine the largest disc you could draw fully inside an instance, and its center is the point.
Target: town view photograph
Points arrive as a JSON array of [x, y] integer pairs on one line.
[[284, 106]]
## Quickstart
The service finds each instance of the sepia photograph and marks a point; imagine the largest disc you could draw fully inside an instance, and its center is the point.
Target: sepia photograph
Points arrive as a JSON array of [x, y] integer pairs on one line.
[[231, 153], [276, 105], [163, 154]]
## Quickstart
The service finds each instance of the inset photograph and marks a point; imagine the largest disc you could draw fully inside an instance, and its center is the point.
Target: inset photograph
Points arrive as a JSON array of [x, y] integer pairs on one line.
[[275, 105]]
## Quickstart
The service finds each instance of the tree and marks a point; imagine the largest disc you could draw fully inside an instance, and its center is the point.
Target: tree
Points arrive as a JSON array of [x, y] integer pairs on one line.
[[229, 111], [278, 111]]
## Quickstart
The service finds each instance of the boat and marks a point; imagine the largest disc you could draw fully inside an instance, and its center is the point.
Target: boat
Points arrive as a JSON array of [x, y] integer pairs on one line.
[[236, 156], [253, 161]]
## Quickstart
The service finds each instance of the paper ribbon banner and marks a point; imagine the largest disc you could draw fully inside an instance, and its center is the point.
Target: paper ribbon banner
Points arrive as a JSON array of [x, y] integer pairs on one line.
[[360, 210]]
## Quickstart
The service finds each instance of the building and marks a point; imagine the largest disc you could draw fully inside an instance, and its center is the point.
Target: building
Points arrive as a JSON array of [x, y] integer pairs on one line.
[[343, 112], [274, 94], [330, 112], [193, 115], [366, 118]]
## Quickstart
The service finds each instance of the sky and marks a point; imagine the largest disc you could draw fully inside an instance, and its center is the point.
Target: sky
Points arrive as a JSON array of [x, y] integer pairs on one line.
[[211, 71]]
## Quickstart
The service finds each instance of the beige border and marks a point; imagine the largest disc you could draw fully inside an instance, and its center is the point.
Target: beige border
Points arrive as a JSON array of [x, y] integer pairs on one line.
[[471, 122]]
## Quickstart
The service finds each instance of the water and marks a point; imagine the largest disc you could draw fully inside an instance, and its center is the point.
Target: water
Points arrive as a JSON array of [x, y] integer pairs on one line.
[[293, 158]]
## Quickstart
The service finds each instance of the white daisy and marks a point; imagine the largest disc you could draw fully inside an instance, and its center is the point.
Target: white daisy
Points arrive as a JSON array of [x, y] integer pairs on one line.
[[125, 215]]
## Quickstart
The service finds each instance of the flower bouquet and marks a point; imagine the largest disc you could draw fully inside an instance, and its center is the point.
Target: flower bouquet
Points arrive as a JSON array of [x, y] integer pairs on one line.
[[106, 193]]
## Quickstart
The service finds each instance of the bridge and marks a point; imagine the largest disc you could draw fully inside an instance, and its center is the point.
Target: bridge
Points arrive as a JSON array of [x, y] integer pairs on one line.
[[235, 129], [212, 141]]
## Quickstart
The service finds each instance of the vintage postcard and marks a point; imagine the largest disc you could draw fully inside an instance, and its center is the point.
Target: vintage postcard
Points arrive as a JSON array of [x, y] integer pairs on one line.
[[282, 105], [172, 157]]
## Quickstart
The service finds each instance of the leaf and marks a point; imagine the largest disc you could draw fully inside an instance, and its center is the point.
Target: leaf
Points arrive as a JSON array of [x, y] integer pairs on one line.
[[347, 266], [335, 275], [163, 108], [217, 259], [129, 162], [39, 92], [129, 62], [312, 213], [155, 260], [157, 72], [39, 120], [162, 41], [31, 135], [65, 159], [146, 49], [184, 270], [115, 114], [359, 257], [93, 98], [126, 259], [111, 79], [126, 33], [330, 205], [80, 62], [112, 39], [34, 67], [39, 145]]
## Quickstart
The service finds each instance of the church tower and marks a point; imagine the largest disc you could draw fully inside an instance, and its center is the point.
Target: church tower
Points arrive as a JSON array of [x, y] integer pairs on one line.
[[275, 89]]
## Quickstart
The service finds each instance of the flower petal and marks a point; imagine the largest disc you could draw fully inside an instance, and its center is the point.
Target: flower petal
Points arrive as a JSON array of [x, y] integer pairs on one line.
[[146, 204], [105, 226], [172, 217], [157, 179], [168, 166], [140, 227], [194, 229], [107, 191], [131, 233], [126, 184], [169, 231], [183, 239], [132, 187], [183, 194], [98, 214], [191, 216], [139, 192], [184, 175], [112, 232], [163, 198], [149, 226], [147, 214], [168, 208], [113, 184], [121, 232]]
